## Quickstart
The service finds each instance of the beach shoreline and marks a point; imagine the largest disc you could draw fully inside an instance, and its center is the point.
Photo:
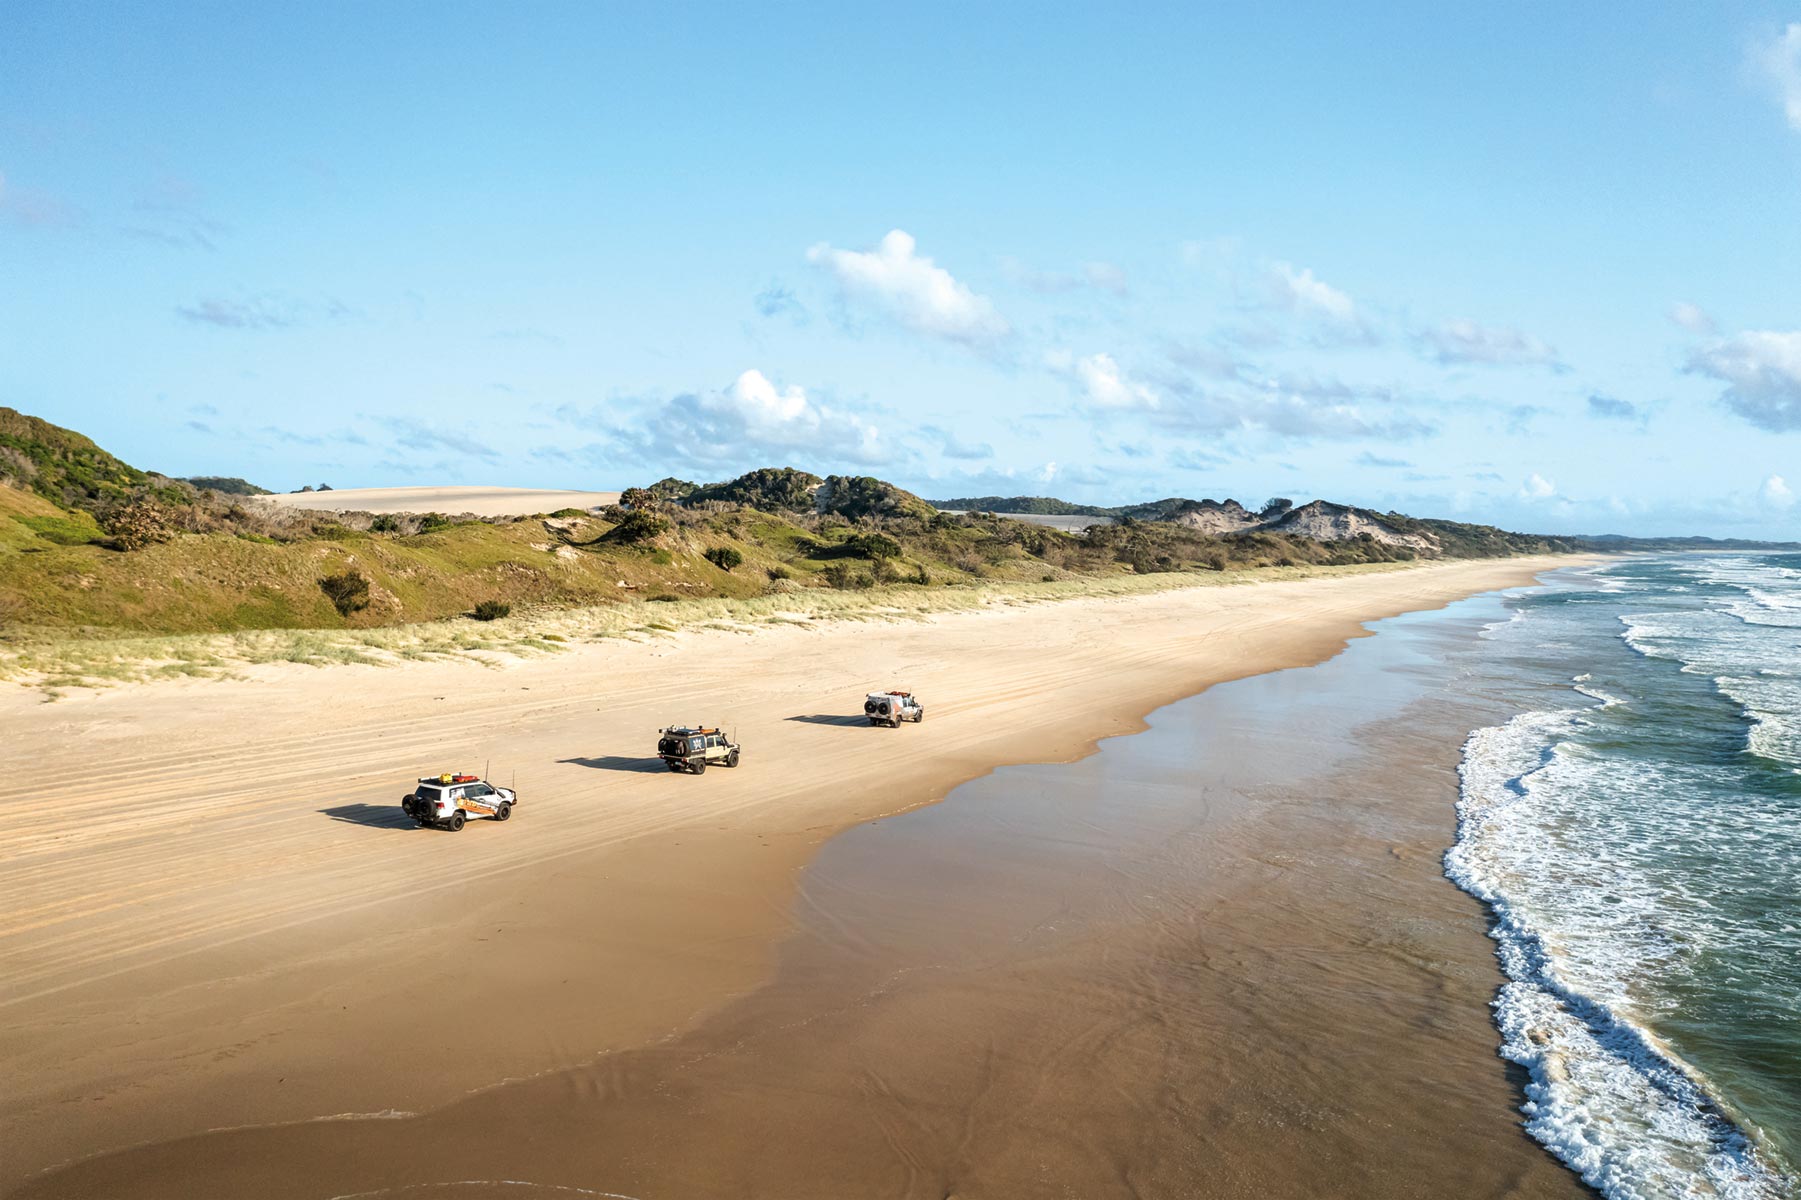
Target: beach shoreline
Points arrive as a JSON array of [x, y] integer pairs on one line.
[[230, 954]]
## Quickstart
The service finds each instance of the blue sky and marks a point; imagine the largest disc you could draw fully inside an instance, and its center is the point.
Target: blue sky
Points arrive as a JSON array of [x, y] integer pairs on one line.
[[1532, 264]]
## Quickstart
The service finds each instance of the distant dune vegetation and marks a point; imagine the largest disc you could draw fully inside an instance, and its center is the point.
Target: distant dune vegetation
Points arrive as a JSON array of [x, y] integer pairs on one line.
[[89, 542]]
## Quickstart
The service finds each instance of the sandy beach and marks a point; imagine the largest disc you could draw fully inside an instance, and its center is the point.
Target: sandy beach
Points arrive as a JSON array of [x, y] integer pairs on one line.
[[215, 916], [481, 501]]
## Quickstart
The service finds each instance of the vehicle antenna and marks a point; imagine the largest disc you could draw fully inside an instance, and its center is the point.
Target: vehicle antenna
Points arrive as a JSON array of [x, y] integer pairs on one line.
[[488, 769]]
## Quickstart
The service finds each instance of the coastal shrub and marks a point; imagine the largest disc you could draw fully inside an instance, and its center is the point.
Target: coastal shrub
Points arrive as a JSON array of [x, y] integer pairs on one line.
[[385, 523], [348, 591], [779, 572], [432, 522], [875, 546], [137, 524], [565, 514], [638, 499], [724, 557], [491, 610], [636, 526], [846, 578], [332, 531]]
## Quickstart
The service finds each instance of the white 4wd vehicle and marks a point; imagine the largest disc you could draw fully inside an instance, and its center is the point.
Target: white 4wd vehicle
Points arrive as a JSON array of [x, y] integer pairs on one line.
[[891, 708], [447, 801]]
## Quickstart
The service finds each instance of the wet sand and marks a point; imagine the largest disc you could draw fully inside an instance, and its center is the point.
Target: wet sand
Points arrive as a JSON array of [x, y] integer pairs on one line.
[[871, 1064]]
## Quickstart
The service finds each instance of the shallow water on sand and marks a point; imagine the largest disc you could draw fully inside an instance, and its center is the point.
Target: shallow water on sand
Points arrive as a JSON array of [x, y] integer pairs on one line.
[[1217, 958]]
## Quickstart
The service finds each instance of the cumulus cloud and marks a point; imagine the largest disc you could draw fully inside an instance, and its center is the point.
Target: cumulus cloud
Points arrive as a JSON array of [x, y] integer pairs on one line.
[[1612, 408], [1105, 385], [1305, 292], [1780, 62], [1776, 493], [1463, 341], [753, 422], [1693, 318], [913, 290], [1537, 487], [1335, 319], [1762, 371]]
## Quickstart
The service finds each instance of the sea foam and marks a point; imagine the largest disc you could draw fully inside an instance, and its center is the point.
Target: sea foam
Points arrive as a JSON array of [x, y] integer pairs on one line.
[[1621, 1110]]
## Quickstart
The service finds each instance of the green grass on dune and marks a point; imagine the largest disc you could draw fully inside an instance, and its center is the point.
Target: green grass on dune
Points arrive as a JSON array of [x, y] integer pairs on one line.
[[55, 660]]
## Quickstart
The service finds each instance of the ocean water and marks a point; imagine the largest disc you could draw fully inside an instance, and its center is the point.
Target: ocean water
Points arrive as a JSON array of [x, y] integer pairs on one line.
[[1637, 834]]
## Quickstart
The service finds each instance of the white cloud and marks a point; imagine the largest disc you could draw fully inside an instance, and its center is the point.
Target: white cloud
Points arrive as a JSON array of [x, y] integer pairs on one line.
[[913, 290], [1106, 385], [1692, 317], [1776, 493], [1464, 341], [1305, 292], [1762, 371], [1780, 62], [1537, 487], [754, 421]]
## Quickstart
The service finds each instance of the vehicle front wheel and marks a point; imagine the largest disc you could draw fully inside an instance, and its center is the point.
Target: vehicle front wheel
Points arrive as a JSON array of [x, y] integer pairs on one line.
[[731, 760], [456, 821], [503, 812], [920, 717]]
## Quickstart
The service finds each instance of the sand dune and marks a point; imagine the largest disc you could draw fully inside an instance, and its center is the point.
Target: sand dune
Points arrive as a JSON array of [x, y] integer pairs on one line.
[[213, 914], [482, 501]]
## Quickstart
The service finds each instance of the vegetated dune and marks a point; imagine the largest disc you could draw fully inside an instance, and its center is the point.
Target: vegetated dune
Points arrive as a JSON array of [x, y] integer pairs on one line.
[[481, 501], [1326, 522]]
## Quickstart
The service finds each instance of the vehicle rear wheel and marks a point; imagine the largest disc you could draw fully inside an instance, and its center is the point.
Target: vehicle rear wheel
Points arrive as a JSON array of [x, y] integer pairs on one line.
[[700, 768], [456, 821], [672, 764], [503, 812]]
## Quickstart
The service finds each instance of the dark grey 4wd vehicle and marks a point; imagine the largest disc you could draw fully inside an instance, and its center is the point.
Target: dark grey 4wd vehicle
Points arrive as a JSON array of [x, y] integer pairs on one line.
[[693, 749]]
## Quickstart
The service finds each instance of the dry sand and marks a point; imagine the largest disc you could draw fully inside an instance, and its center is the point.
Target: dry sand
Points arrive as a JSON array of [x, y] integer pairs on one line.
[[480, 501], [213, 915]]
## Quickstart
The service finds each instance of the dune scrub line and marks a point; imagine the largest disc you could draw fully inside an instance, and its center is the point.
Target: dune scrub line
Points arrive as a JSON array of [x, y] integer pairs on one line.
[[52, 661]]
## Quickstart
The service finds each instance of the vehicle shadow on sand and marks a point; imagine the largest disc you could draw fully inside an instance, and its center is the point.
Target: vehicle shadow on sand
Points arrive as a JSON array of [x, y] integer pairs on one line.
[[618, 762], [830, 719], [376, 816]]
